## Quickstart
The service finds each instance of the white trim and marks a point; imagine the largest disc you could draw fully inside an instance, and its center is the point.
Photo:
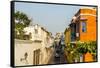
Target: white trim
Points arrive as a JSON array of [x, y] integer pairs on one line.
[[86, 14], [88, 8]]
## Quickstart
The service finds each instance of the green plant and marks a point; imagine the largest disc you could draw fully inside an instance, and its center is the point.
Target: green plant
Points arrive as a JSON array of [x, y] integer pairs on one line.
[[79, 49], [21, 21]]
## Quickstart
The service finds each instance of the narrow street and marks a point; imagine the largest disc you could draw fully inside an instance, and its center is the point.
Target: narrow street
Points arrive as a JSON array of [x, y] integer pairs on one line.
[[63, 36], [57, 59], [58, 56]]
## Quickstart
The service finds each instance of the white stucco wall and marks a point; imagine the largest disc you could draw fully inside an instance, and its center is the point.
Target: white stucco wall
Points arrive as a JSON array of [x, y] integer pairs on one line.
[[23, 46], [29, 46]]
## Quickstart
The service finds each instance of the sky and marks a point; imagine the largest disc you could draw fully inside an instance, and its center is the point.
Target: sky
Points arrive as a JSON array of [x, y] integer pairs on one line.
[[55, 18]]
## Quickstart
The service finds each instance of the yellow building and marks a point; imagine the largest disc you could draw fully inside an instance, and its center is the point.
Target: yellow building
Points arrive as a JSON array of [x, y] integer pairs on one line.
[[67, 35]]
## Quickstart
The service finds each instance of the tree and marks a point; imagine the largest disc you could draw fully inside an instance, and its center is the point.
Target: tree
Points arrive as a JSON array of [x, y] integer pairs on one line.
[[80, 49], [21, 21]]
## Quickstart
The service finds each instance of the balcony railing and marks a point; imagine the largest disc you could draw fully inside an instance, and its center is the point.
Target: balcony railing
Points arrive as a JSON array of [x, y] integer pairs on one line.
[[73, 36]]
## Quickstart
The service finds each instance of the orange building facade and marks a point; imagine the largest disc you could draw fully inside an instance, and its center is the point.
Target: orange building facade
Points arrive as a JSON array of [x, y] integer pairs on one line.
[[83, 25], [83, 28]]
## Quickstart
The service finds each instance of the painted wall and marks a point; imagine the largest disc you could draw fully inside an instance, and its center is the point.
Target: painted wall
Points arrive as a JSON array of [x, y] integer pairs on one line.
[[67, 36], [28, 46], [90, 34], [23, 46]]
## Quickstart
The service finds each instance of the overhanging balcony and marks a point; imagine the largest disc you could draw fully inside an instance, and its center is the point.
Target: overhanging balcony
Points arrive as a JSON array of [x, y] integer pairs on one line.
[[73, 36]]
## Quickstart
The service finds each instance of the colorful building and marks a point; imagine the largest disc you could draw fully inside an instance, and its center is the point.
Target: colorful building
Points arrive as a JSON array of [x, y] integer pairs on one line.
[[67, 35], [83, 25], [83, 28]]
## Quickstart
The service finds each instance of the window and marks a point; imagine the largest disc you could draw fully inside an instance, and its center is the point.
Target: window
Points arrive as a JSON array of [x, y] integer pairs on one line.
[[83, 26]]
